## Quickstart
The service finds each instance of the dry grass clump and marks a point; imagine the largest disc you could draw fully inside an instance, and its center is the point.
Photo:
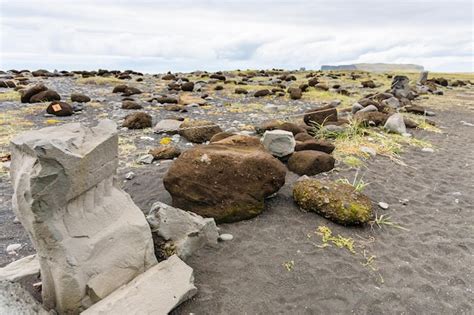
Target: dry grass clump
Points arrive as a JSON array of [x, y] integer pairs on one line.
[[9, 96], [348, 143], [313, 94]]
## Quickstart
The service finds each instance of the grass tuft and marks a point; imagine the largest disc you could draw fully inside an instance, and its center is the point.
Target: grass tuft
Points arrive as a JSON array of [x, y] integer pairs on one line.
[[9, 96]]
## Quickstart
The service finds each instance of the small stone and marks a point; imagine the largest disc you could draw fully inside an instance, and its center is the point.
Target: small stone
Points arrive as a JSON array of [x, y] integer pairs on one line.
[[368, 150], [12, 248], [383, 205], [356, 107], [369, 108], [129, 175], [403, 201], [428, 150], [226, 237], [145, 159]]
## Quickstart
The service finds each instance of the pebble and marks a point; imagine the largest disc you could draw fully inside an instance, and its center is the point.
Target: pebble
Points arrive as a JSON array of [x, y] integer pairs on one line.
[[368, 150], [12, 248], [383, 205], [467, 123], [145, 159], [226, 237], [147, 138], [16, 220], [404, 201], [129, 175], [429, 150]]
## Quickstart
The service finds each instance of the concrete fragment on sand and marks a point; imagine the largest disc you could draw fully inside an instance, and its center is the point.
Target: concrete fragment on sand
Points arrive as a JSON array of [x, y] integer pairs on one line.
[[186, 230], [157, 291], [22, 268]]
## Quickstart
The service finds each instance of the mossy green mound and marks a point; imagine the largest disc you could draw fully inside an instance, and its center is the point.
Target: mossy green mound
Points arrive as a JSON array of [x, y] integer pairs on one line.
[[338, 202]]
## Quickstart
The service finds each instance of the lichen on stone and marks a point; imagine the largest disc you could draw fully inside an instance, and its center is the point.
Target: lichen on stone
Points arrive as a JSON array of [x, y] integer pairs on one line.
[[338, 202]]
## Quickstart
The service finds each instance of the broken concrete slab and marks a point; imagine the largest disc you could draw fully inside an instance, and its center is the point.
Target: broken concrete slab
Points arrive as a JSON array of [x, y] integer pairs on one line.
[[89, 235], [20, 269], [157, 291], [186, 230]]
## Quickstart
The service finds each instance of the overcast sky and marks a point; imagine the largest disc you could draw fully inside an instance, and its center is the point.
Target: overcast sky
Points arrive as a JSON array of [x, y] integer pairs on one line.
[[157, 36]]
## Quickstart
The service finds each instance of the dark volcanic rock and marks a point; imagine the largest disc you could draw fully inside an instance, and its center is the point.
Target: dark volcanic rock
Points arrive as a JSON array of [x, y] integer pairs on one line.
[[295, 93], [26, 95], [138, 120], [45, 96], [131, 105], [59, 109], [187, 86], [227, 182], [320, 115], [261, 93], [310, 162], [165, 152], [80, 98], [199, 131]]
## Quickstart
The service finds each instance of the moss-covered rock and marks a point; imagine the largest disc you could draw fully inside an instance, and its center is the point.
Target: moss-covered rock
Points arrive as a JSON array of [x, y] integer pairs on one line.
[[338, 202]]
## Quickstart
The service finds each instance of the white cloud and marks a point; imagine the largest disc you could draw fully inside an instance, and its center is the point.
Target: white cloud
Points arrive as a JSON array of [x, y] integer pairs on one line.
[[155, 36]]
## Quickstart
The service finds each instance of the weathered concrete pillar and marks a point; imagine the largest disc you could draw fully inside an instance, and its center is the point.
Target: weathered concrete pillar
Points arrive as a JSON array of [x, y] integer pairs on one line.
[[90, 236]]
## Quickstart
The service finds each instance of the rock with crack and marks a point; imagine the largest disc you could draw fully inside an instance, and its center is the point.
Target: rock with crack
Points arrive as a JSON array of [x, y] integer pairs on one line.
[[89, 235], [20, 269], [157, 291], [187, 231]]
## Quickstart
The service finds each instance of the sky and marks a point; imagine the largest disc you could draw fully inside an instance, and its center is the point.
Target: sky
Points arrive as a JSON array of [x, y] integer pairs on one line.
[[158, 36]]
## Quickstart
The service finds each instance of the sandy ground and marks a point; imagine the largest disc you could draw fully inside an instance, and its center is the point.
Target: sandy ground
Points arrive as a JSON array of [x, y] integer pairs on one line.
[[276, 264], [426, 270]]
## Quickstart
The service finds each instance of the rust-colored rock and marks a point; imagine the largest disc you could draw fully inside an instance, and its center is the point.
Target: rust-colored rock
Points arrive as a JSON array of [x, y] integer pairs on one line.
[[310, 162], [226, 182]]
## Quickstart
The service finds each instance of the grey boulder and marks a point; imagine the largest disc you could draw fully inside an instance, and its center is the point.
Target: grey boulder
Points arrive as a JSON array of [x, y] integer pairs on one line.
[[396, 124], [279, 142]]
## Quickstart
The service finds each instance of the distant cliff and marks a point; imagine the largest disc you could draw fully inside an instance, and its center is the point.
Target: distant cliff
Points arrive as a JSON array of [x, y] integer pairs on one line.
[[376, 67]]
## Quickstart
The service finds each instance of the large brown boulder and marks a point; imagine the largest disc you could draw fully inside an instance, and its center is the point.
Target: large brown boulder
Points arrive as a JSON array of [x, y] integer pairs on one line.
[[59, 109], [45, 96], [26, 95], [338, 202], [295, 93], [315, 144], [199, 131], [320, 115], [310, 162], [228, 182]]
